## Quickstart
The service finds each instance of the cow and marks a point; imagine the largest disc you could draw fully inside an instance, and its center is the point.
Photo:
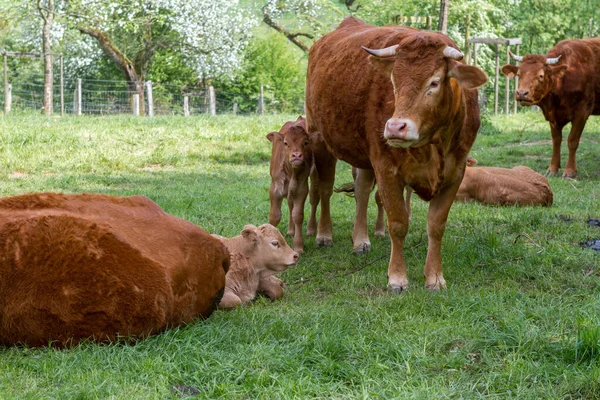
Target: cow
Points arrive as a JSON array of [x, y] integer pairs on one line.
[[103, 268], [517, 186], [565, 84], [257, 254], [293, 156], [406, 114]]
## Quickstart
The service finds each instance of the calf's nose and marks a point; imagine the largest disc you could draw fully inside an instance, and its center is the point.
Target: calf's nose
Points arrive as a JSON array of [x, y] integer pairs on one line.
[[297, 156], [296, 256]]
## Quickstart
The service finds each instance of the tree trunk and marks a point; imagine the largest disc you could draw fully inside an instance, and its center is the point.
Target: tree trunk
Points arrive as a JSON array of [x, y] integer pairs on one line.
[[47, 14], [443, 22], [135, 81]]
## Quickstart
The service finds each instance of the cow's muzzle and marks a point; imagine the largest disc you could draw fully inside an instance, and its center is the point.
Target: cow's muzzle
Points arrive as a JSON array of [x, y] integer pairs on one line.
[[400, 132]]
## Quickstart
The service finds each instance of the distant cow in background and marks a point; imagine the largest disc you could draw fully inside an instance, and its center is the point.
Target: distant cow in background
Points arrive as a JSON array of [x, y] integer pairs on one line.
[[100, 267], [565, 84], [519, 186], [257, 254], [293, 157]]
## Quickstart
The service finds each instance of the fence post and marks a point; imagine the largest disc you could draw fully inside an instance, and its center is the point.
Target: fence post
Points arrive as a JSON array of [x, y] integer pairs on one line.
[[235, 106], [6, 109], [516, 83], [7, 99], [212, 102], [467, 36], [507, 84], [149, 98], [496, 80], [77, 99], [186, 106], [261, 102], [62, 87], [136, 104]]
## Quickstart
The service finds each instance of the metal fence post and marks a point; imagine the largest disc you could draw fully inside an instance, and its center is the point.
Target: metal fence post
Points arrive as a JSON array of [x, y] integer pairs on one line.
[[136, 104], [7, 99], [212, 102], [261, 102], [149, 98], [186, 106]]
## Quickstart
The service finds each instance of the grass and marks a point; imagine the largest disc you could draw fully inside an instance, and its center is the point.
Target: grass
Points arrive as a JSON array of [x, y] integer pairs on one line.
[[520, 317]]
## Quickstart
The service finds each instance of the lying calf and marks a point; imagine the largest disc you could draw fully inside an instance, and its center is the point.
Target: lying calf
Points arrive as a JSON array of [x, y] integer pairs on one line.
[[257, 254], [100, 267]]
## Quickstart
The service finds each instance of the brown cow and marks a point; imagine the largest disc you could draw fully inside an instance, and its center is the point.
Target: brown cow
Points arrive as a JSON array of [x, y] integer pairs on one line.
[[565, 84], [520, 186], [292, 161], [256, 255], [407, 114], [100, 267]]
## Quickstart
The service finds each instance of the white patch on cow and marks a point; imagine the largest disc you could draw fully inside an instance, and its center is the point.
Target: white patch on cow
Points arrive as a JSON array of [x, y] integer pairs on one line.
[[403, 139]]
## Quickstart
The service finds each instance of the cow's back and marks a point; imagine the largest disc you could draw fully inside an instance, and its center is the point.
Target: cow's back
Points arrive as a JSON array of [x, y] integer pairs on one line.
[[101, 267]]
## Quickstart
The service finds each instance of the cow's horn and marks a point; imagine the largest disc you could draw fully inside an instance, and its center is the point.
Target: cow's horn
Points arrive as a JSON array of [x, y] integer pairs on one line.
[[452, 53], [551, 61], [387, 52], [515, 57]]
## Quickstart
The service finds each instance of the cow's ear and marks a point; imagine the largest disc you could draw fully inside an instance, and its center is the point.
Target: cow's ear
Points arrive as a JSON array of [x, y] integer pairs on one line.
[[471, 161], [250, 233], [559, 70], [468, 76], [272, 136], [510, 70], [383, 64]]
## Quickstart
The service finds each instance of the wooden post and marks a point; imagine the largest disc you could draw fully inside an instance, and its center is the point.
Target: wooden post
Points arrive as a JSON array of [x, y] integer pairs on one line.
[[186, 106], [261, 101], [62, 87], [77, 99], [136, 104], [475, 54], [7, 99], [235, 106], [149, 98], [516, 83], [467, 36], [496, 80], [429, 23], [212, 103], [507, 84], [6, 109]]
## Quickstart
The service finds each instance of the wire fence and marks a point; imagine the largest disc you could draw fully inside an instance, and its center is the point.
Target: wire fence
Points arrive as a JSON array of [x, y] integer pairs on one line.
[[102, 97]]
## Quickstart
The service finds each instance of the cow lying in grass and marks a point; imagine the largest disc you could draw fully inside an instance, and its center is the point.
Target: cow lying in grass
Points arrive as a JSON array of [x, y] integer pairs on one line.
[[257, 254], [502, 186], [99, 267], [293, 158]]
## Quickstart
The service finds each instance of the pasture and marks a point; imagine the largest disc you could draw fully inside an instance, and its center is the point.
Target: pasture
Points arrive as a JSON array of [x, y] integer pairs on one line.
[[520, 317]]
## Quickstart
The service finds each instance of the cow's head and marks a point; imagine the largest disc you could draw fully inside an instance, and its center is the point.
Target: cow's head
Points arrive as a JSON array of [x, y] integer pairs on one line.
[[273, 255], [296, 142], [536, 76], [427, 78]]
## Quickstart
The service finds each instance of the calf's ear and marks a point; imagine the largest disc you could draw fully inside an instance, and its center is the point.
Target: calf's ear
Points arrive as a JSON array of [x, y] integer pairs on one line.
[[272, 136], [250, 233], [468, 76], [510, 70]]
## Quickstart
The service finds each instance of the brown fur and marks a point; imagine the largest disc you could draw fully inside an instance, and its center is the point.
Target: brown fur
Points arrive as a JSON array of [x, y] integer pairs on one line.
[[256, 255], [101, 267], [349, 98], [568, 91]]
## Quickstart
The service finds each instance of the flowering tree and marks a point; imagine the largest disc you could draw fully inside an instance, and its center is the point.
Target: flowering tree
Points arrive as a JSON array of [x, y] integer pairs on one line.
[[210, 34]]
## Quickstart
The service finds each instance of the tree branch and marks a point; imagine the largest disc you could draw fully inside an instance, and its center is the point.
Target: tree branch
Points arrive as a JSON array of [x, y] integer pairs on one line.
[[292, 37]]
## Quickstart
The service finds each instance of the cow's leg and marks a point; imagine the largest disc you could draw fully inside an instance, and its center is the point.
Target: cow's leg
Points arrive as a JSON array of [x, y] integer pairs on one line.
[[298, 213], [276, 197], [290, 201], [439, 207], [380, 223], [314, 199], [229, 300], [272, 287], [577, 126], [326, 169], [363, 185], [556, 130], [392, 196]]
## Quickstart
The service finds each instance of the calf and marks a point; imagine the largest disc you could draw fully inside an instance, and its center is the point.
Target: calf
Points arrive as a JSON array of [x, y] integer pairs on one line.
[[292, 162], [257, 254], [502, 186], [99, 267]]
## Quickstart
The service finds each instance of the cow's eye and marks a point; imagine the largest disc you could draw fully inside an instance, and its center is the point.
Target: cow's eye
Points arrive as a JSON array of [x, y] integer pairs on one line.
[[276, 243], [434, 84], [285, 143], [306, 142]]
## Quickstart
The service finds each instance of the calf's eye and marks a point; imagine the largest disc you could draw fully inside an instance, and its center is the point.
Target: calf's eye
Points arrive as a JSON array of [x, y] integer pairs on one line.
[[275, 243]]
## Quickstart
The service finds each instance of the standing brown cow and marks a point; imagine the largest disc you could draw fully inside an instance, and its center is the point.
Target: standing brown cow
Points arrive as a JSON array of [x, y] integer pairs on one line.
[[407, 115], [565, 84]]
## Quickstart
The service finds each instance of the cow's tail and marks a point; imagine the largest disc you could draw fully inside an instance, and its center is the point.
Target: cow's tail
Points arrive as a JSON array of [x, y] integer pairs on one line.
[[346, 188]]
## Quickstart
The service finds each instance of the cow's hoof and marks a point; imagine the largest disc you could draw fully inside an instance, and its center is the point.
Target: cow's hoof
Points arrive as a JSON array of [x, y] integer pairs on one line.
[[323, 241], [310, 232], [290, 233], [397, 289], [436, 285], [569, 176], [362, 248], [550, 173], [380, 234], [299, 250]]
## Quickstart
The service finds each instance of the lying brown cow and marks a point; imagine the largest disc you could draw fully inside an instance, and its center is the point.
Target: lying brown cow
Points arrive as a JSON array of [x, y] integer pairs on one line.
[[502, 186], [292, 161], [565, 84], [405, 115], [257, 254], [100, 267]]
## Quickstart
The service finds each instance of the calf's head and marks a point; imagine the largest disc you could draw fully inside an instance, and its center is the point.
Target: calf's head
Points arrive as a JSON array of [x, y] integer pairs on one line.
[[296, 142], [273, 255], [427, 79], [537, 75]]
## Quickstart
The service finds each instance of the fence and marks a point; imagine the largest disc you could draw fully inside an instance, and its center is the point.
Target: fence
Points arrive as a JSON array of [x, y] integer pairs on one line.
[[102, 97]]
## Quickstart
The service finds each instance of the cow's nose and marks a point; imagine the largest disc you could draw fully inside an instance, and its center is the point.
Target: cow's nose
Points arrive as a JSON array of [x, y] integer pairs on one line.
[[297, 156], [521, 93], [396, 128], [296, 256]]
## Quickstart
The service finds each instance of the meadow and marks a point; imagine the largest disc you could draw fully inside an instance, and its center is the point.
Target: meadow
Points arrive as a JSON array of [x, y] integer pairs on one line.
[[520, 317]]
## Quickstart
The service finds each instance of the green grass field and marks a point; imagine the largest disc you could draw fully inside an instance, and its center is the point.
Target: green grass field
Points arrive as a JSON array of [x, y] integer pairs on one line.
[[520, 318]]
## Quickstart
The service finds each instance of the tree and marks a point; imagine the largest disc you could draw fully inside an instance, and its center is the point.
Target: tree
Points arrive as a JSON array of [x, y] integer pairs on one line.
[[46, 10], [443, 21]]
